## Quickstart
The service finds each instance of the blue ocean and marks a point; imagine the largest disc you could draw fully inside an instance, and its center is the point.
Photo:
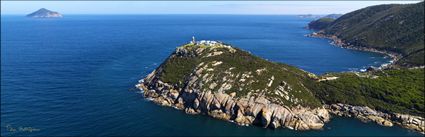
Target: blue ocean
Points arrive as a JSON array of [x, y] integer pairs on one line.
[[76, 75]]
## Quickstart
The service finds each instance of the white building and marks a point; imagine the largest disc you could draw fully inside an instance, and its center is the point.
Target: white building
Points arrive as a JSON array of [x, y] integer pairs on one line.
[[204, 42]]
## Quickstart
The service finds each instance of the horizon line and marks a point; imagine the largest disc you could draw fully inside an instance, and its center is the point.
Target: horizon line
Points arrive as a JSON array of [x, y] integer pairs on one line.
[[181, 14]]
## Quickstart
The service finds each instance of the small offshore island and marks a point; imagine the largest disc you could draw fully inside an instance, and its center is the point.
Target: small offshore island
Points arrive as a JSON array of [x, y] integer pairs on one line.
[[224, 82], [45, 13]]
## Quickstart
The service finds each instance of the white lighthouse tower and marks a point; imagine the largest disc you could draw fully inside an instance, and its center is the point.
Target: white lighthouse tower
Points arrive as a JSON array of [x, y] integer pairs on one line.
[[193, 40]]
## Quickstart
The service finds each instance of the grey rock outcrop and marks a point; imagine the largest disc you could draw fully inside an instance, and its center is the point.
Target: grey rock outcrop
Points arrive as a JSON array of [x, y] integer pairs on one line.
[[367, 114], [244, 111]]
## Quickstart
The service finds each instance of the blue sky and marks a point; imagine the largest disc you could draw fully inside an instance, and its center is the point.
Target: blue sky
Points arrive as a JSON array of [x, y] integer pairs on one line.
[[189, 7]]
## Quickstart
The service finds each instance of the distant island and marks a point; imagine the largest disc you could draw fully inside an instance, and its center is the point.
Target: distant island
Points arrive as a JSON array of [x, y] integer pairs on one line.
[[45, 13]]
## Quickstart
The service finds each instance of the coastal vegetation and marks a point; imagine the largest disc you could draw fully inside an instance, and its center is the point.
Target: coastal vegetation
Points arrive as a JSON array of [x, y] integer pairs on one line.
[[398, 90], [255, 72]]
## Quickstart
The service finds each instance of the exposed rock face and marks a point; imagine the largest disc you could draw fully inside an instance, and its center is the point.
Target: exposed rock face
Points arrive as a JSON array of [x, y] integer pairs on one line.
[[44, 13], [367, 114], [244, 111]]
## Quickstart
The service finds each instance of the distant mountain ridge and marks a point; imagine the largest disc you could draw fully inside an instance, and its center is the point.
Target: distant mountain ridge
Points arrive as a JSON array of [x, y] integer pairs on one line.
[[314, 16], [309, 16], [323, 22], [320, 23], [45, 13], [397, 28], [333, 16]]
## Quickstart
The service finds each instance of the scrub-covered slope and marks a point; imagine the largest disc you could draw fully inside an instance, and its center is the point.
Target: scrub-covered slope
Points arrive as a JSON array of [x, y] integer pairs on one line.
[[394, 28], [400, 91]]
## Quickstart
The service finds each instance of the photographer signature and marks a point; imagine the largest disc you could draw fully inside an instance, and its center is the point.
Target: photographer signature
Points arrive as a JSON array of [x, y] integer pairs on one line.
[[10, 128]]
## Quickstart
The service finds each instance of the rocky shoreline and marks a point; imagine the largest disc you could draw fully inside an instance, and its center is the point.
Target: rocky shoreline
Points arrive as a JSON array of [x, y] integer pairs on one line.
[[261, 112], [257, 111], [340, 43], [366, 114]]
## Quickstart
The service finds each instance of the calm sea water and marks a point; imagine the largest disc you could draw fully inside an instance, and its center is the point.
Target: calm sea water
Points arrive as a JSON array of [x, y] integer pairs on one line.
[[76, 75]]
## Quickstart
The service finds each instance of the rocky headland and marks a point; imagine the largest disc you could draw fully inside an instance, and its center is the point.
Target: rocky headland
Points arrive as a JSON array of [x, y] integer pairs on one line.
[[205, 91], [218, 80]]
